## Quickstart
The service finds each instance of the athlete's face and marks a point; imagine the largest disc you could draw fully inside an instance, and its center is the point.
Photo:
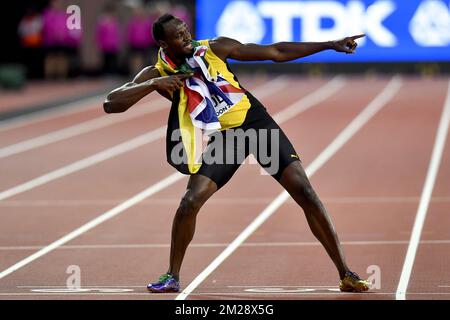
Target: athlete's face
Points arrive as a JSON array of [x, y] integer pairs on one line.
[[178, 39]]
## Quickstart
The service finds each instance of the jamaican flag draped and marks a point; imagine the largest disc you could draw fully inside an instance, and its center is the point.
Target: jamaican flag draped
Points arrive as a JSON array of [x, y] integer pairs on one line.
[[196, 107]]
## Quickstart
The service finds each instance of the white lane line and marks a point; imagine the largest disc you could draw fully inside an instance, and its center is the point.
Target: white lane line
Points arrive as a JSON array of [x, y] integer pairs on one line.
[[80, 128], [206, 294], [270, 87], [90, 103], [44, 115], [421, 214], [344, 136], [99, 157], [104, 121], [129, 145], [312, 99], [325, 293], [95, 222], [116, 210], [219, 245], [367, 295], [278, 286], [222, 201], [85, 286], [86, 162]]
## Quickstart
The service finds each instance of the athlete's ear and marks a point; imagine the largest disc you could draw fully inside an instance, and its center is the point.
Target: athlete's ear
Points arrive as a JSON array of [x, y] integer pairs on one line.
[[163, 44]]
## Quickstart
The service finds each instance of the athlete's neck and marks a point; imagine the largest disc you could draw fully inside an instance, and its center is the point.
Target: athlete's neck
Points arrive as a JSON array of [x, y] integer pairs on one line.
[[178, 61]]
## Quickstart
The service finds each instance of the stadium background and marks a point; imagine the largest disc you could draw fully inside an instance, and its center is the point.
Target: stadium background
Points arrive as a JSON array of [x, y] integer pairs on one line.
[[398, 19], [370, 128]]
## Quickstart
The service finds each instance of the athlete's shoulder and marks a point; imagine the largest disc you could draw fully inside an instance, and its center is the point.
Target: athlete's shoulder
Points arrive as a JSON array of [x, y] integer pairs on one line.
[[204, 42], [222, 46], [224, 42]]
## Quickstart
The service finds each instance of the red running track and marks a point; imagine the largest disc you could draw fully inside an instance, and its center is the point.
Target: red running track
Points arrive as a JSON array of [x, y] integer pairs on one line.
[[371, 186]]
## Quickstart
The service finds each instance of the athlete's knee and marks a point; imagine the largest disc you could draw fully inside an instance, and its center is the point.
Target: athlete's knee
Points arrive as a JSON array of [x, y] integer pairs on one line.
[[302, 191], [193, 200], [189, 203], [308, 196]]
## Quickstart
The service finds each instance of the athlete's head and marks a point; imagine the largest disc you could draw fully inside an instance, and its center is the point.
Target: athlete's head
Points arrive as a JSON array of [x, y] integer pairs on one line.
[[172, 35]]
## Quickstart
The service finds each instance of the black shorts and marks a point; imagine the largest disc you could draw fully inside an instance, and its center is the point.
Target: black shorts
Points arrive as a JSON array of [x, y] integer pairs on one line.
[[259, 135]]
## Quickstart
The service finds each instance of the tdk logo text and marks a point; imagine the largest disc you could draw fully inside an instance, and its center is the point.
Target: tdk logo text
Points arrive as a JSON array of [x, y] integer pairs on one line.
[[383, 21]]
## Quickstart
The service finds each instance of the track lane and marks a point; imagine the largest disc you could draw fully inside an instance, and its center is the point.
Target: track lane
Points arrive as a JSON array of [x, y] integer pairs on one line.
[[29, 126], [366, 207], [34, 163], [124, 177], [157, 112], [165, 218], [430, 268], [343, 177]]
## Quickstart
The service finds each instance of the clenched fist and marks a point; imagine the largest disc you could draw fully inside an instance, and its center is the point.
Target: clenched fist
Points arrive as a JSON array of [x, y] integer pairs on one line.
[[169, 84]]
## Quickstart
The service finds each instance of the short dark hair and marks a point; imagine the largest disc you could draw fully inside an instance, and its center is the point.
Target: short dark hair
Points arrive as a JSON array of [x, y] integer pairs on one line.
[[158, 26]]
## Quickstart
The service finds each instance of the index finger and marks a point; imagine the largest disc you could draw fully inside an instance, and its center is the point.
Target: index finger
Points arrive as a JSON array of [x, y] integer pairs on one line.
[[358, 36], [183, 76]]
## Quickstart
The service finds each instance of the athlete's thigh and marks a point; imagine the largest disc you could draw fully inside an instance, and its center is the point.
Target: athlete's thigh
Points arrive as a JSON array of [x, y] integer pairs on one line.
[[201, 184], [221, 159], [275, 151]]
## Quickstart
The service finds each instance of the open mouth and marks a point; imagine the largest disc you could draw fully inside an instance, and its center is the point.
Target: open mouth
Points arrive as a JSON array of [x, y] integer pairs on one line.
[[188, 45]]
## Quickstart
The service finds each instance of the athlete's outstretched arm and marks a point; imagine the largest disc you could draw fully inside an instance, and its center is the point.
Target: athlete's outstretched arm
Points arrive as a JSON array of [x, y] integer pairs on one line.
[[280, 51], [146, 81]]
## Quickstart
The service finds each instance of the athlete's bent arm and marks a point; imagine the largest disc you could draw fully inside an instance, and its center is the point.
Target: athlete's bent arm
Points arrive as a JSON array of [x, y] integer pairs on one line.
[[145, 82], [280, 51]]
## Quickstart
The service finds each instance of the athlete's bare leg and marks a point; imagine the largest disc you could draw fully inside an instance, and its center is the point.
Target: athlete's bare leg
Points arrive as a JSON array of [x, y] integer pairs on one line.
[[199, 189], [296, 183]]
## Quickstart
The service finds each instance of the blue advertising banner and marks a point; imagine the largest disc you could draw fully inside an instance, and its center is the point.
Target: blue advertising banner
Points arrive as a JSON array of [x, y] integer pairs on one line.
[[396, 30]]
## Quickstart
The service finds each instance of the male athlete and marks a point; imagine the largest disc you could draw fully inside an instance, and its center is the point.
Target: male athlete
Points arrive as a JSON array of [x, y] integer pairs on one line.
[[206, 95]]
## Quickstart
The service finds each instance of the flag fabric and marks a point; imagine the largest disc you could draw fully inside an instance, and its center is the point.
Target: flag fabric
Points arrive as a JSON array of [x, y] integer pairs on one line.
[[203, 99]]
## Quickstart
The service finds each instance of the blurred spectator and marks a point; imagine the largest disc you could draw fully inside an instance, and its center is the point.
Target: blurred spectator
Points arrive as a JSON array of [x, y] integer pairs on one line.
[[179, 10], [30, 33], [108, 38], [73, 40], [54, 36], [161, 7], [139, 38]]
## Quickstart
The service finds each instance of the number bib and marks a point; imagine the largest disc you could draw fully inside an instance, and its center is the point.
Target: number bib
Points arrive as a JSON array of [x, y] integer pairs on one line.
[[220, 105]]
